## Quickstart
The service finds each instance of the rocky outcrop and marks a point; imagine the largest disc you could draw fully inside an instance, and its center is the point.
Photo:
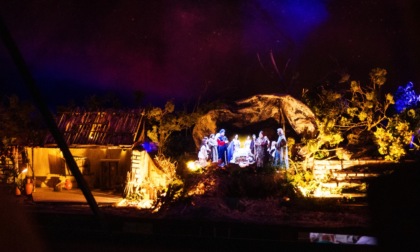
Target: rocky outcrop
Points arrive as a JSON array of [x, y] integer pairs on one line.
[[257, 109]]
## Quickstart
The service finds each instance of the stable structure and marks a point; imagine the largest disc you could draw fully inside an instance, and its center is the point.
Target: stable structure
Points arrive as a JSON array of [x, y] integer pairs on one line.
[[101, 143]]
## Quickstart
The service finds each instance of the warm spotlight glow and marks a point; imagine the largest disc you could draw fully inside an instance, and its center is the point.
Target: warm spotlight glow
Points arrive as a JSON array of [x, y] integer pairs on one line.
[[145, 204], [303, 191], [25, 170], [242, 139], [193, 166], [321, 193]]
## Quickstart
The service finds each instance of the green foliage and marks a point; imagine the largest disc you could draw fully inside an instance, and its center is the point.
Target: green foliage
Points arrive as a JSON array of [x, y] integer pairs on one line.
[[392, 139], [356, 117], [329, 137], [11, 173], [173, 193], [20, 123], [302, 179], [365, 109], [166, 121]]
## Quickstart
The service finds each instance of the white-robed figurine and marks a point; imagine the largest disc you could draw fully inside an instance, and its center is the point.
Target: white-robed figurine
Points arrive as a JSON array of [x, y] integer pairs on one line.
[[233, 147], [282, 155], [212, 143], [203, 153]]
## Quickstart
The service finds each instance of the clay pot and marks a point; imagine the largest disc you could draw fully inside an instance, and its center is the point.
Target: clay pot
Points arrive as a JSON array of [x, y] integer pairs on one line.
[[68, 184], [29, 187], [17, 191]]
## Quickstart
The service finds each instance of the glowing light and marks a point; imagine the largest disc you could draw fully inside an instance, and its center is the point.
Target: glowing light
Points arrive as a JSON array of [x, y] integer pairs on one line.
[[303, 191], [149, 146], [25, 170], [193, 166], [321, 193], [406, 97], [145, 204]]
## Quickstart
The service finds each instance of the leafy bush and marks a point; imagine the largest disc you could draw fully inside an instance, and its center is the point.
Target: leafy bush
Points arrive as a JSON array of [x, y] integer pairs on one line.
[[355, 118]]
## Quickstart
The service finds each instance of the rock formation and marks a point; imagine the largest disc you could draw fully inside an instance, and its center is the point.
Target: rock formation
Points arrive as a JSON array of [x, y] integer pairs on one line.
[[257, 109]]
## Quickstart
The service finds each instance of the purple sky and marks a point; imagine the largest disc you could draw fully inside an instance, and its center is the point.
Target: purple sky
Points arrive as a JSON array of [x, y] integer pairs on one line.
[[213, 49]]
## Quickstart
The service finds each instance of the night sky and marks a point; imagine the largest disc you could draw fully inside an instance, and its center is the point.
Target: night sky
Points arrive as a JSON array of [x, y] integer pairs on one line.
[[184, 50]]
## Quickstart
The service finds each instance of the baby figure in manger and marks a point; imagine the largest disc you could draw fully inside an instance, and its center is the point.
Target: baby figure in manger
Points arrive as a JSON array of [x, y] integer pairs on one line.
[[242, 155]]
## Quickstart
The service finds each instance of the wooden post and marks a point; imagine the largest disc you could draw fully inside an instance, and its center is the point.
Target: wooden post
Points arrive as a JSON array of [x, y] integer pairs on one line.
[[48, 118]]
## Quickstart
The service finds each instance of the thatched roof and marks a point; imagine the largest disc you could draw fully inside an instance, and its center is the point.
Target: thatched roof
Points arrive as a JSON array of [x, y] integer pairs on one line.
[[100, 128]]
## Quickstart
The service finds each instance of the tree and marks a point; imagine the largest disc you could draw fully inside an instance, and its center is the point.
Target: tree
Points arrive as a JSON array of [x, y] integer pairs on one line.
[[358, 117], [166, 121], [21, 123]]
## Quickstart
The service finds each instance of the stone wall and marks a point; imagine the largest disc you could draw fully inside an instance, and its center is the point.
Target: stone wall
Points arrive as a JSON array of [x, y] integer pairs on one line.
[[323, 167], [336, 174]]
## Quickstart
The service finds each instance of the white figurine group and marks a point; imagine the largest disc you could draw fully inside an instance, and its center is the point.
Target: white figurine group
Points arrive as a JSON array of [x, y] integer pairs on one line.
[[217, 149]]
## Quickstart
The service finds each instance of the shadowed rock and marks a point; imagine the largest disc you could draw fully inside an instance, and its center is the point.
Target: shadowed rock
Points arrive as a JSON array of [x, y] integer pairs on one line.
[[257, 109]]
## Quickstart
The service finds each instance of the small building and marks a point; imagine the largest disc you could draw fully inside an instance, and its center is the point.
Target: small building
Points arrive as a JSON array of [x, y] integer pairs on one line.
[[101, 144]]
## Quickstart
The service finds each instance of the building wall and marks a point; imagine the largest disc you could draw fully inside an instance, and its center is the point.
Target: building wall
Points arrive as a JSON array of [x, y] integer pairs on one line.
[[47, 161]]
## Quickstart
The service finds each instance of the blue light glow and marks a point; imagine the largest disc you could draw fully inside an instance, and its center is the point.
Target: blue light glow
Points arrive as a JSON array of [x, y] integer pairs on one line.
[[405, 97], [295, 18]]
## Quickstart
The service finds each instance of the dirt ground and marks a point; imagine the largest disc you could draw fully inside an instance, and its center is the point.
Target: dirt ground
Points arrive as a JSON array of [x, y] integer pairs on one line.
[[64, 221]]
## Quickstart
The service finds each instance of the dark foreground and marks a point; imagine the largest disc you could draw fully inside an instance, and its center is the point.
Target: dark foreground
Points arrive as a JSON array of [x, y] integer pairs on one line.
[[118, 234], [72, 227], [29, 226]]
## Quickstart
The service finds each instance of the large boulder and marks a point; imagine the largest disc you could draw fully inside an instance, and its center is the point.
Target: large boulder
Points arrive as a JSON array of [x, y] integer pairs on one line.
[[257, 109]]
